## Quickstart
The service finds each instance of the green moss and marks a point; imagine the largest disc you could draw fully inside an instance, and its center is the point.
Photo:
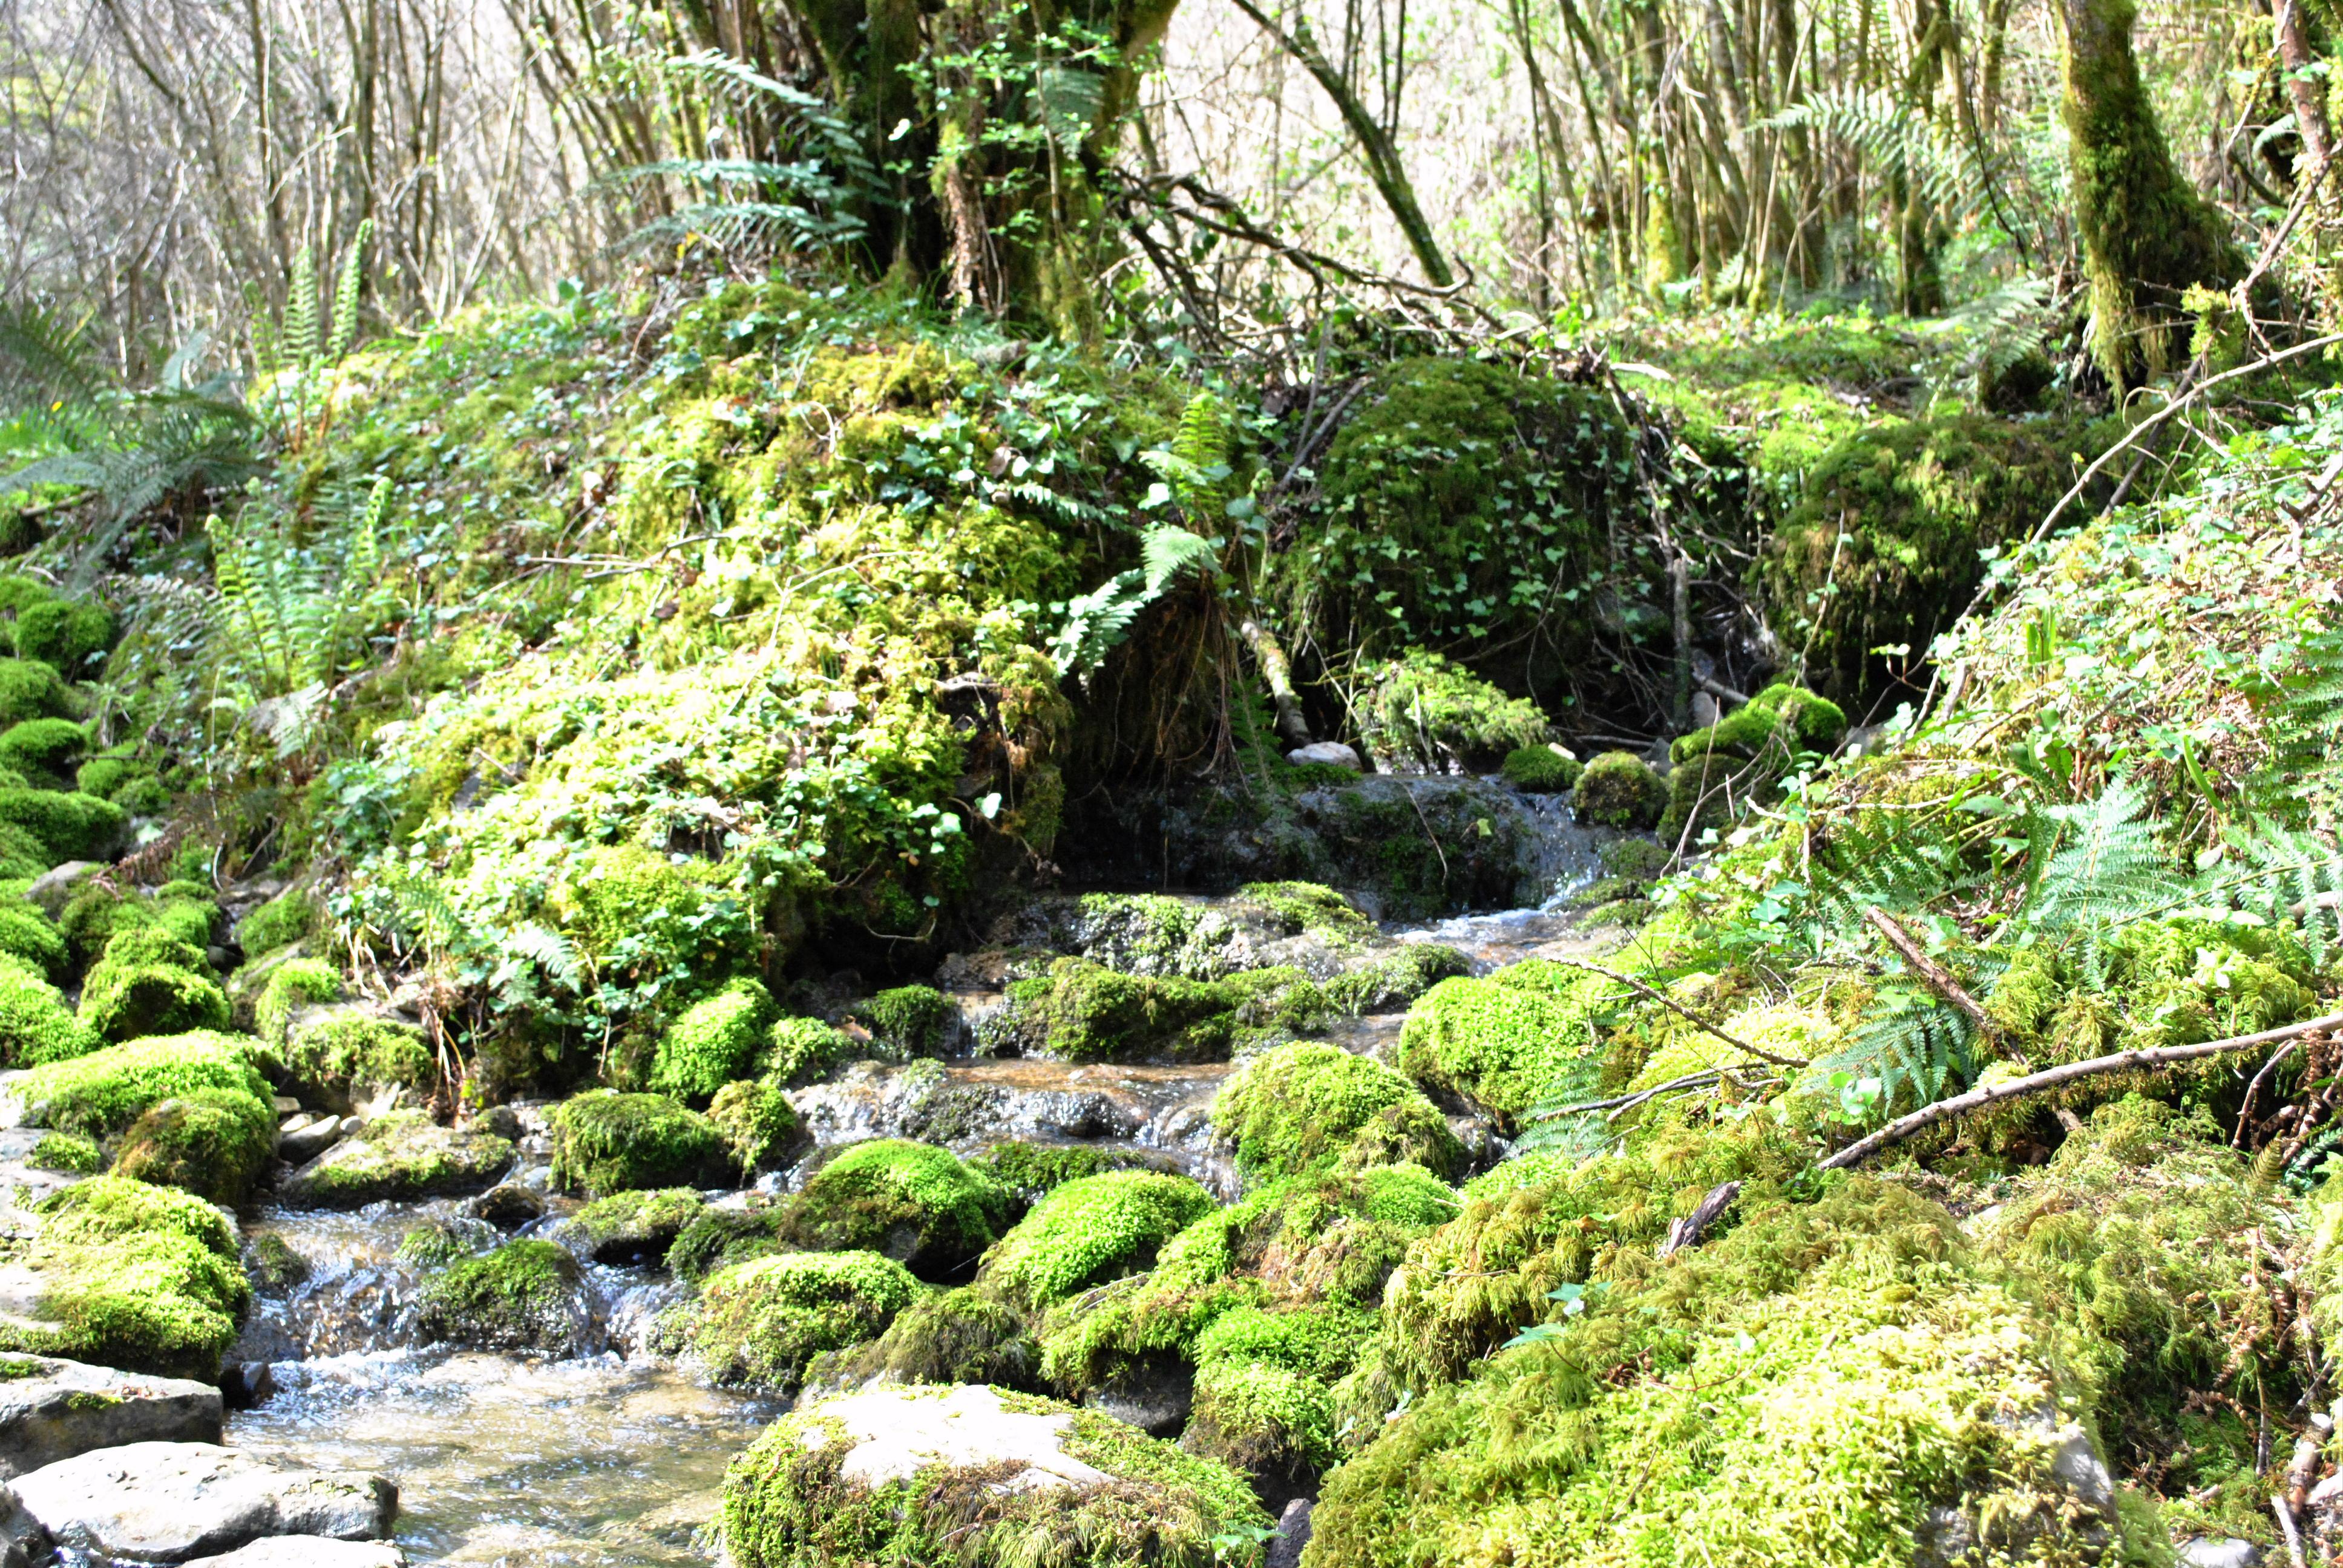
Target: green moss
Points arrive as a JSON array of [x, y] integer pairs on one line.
[[213, 1142], [133, 1276], [802, 1050], [30, 689], [1027, 1172], [1267, 1422], [102, 1093], [756, 1122], [1636, 859], [1508, 1041], [605, 1143], [347, 1054], [639, 1226], [1306, 1106], [1091, 1230], [914, 1202], [714, 1042], [908, 1020], [1082, 1012], [150, 982], [293, 985], [66, 1152], [68, 827], [28, 934], [273, 1265], [965, 1336], [47, 751], [1619, 790], [721, 1237], [1306, 907], [758, 1322], [71, 634], [442, 1240], [1419, 712], [1541, 770], [786, 1505], [281, 921], [402, 1155], [1312, 1341], [523, 1296], [1396, 979]]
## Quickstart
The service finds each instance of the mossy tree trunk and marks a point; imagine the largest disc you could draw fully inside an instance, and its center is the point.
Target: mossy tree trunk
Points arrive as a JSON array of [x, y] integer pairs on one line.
[[2147, 235]]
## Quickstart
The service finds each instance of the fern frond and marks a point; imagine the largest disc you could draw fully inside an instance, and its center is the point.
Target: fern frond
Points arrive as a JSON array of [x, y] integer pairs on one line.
[[347, 289], [1168, 554], [299, 337]]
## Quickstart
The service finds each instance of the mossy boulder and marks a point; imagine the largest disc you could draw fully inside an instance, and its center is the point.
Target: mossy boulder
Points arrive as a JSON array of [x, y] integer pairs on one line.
[[722, 1236], [151, 982], [907, 1020], [965, 1336], [714, 1042], [914, 1202], [340, 1057], [26, 933], [798, 1050], [1395, 978], [129, 1275], [70, 634], [213, 1142], [292, 987], [1275, 1426], [758, 1323], [1723, 770], [1091, 1231], [526, 1295], [1507, 1041], [973, 1475], [605, 1143], [31, 689], [638, 1227], [1620, 789], [403, 1155], [1863, 1393], [1027, 1172], [47, 751], [1419, 713], [102, 1093], [35, 1025], [281, 921], [1310, 1105], [67, 825], [1082, 1012], [1543, 769], [756, 1122]]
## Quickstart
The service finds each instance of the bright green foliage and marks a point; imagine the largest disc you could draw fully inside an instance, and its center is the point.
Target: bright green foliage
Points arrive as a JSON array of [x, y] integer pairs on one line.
[[714, 1042], [1541, 770], [605, 1143], [719, 1238], [914, 1202], [28, 934], [1307, 907], [213, 1142], [22, 856], [282, 919], [133, 1276], [1267, 1422], [967, 1335], [908, 1020], [1845, 1366], [1619, 790], [1306, 1106], [638, 1226], [1512, 1039], [402, 1155], [346, 1053], [756, 1122], [151, 982], [524, 1296], [801, 1050], [1027, 1172], [1082, 1012], [1419, 712], [128, 783], [66, 1152], [47, 751], [295, 984], [442, 1240], [29, 690], [104, 1092], [1317, 1341], [786, 1506], [1091, 1230], [758, 1323], [1396, 979], [68, 635], [68, 827]]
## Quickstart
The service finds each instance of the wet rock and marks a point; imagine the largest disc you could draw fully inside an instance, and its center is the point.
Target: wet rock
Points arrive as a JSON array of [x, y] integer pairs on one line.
[[1292, 1535], [247, 1385], [636, 1227], [304, 1138], [177, 1502], [53, 889], [508, 1206], [403, 1155], [2203, 1553], [1156, 1398], [307, 1551], [1325, 752], [524, 1296], [53, 1409], [985, 1103]]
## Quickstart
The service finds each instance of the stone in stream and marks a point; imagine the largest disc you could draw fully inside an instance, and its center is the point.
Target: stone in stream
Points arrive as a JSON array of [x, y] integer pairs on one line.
[[508, 1206], [177, 1501], [403, 1155], [303, 1137], [307, 1551], [53, 1409], [1324, 753]]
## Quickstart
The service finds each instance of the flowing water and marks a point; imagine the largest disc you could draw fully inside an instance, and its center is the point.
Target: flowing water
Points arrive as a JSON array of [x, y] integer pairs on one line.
[[616, 1457]]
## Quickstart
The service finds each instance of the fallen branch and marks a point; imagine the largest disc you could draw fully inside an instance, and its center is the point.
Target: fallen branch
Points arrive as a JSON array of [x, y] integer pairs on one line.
[[1688, 1231], [2051, 1077], [1678, 1008], [1939, 978]]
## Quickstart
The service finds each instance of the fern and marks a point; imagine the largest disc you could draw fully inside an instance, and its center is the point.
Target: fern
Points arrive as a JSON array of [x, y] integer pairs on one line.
[[1908, 1048], [1100, 619], [346, 290], [2099, 867], [293, 616]]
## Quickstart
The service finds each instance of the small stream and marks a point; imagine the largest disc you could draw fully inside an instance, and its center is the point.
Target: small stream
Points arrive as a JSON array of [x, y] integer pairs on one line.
[[616, 1457]]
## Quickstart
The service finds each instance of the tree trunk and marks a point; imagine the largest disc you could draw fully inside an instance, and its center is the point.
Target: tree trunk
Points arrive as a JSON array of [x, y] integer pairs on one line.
[[2148, 236]]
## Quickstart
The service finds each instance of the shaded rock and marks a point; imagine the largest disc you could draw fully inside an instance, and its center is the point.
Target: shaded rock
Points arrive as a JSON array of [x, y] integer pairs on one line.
[[1156, 1398], [307, 1551], [508, 1206], [53, 889], [1292, 1535], [1332, 752], [304, 1138], [176, 1502], [52, 1409], [403, 1155], [244, 1386]]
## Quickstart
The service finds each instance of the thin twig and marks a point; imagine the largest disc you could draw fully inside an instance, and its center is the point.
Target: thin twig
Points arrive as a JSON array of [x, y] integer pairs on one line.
[[1679, 1010]]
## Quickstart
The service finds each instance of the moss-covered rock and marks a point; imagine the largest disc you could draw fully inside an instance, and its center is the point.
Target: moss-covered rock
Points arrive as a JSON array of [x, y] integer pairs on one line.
[[213, 1142], [526, 1295], [1270, 1424], [1545, 769], [102, 1093], [721, 1237], [1620, 789], [151, 982], [714, 1042], [403, 1155], [68, 825], [130, 1275], [758, 1323], [1082, 1012], [70, 634], [797, 1050], [965, 1336], [1509, 1040], [282, 920], [605, 1143], [47, 751], [907, 1020], [1418, 713], [1091, 1230], [27, 934], [862, 1478], [638, 1227], [35, 1025], [914, 1202], [1307, 1106], [1395, 979], [1027, 1172], [31, 689], [295, 984], [1862, 1392], [67, 1152], [1723, 770], [341, 1056], [756, 1122]]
